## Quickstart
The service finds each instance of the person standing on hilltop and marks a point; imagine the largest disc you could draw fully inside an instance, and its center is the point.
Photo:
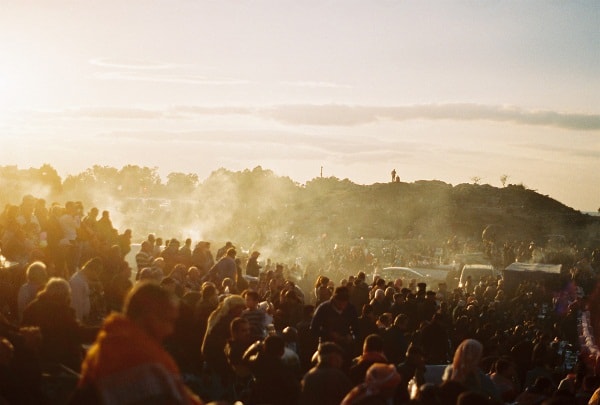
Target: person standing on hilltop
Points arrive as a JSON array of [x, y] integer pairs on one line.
[[393, 175]]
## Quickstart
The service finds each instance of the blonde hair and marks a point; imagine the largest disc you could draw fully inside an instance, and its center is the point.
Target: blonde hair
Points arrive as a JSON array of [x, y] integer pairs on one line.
[[223, 310], [57, 289], [466, 359]]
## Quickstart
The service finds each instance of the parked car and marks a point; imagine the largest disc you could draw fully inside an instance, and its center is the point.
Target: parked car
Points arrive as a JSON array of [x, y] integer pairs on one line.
[[405, 273], [477, 272]]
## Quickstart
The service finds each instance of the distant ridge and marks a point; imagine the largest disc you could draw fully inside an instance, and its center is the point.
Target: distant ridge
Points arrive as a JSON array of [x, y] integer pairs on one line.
[[257, 207]]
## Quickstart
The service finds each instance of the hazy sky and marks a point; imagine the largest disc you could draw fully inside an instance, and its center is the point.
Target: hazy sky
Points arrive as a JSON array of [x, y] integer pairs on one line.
[[445, 90]]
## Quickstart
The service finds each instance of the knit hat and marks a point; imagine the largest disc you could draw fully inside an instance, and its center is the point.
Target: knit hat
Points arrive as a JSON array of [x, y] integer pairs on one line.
[[381, 375]]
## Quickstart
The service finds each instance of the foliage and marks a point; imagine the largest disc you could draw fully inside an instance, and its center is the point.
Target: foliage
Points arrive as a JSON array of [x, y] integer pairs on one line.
[[256, 207]]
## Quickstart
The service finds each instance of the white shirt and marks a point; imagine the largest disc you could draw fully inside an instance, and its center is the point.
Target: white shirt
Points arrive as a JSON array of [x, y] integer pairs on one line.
[[80, 296]]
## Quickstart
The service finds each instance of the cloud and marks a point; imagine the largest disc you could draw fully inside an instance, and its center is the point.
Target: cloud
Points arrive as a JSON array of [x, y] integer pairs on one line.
[[349, 115], [168, 78], [573, 151], [132, 63], [339, 115], [140, 70], [260, 145], [220, 110], [112, 113], [326, 85]]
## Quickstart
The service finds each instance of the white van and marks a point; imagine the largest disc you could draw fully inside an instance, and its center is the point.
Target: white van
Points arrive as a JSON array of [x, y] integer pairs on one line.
[[476, 271]]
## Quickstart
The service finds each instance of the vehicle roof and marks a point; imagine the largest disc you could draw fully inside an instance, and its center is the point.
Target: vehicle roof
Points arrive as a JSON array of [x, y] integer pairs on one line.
[[478, 266], [530, 267], [407, 269]]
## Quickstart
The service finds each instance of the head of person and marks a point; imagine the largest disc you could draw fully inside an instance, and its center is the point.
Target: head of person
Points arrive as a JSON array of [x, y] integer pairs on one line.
[[274, 346], [231, 252], [466, 359], [174, 244], [169, 284], [159, 263], [153, 308], [209, 292], [37, 273], [367, 311], [179, 272], [373, 344], [505, 367], [193, 273], [240, 329], [252, 299], [289, 334], [146, 246], [322, 281], [382, 379], [330, 354], [231, 307], [401, 321], [415, 355], [57, 290], [341, 298]]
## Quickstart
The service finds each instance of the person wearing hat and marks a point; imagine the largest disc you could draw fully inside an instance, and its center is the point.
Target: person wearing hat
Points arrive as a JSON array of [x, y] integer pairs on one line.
[[380, 385], [412, 368], [326, 383], [252, 266], [336, 321]]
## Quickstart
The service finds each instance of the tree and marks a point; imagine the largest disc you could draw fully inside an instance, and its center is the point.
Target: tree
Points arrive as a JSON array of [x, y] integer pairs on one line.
[[475, 179], [139, 181], [181, 183], [503, 179]]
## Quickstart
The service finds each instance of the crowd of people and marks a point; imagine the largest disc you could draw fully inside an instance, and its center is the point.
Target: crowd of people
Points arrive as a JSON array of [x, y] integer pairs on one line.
[[193, 324]]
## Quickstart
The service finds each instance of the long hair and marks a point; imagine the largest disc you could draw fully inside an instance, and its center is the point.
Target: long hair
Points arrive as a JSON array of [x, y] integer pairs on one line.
[[466, 359], [223, 310], [56, 289]]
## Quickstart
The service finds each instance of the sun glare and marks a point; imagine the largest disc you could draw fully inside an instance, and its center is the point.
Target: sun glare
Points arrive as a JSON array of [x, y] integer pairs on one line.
[[5, 91], [12, 85]]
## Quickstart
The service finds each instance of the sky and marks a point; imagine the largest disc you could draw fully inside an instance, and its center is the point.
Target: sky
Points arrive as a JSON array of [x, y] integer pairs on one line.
[[437, 90]]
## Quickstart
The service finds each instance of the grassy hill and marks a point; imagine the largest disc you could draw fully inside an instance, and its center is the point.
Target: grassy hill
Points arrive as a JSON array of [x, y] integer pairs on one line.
[[257, 208]]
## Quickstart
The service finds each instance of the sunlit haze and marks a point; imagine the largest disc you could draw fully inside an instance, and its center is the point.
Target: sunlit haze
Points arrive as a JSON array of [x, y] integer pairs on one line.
[[435, 89]]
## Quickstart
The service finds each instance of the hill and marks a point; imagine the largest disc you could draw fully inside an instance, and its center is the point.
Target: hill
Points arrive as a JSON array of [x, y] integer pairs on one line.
[[257, 208]]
